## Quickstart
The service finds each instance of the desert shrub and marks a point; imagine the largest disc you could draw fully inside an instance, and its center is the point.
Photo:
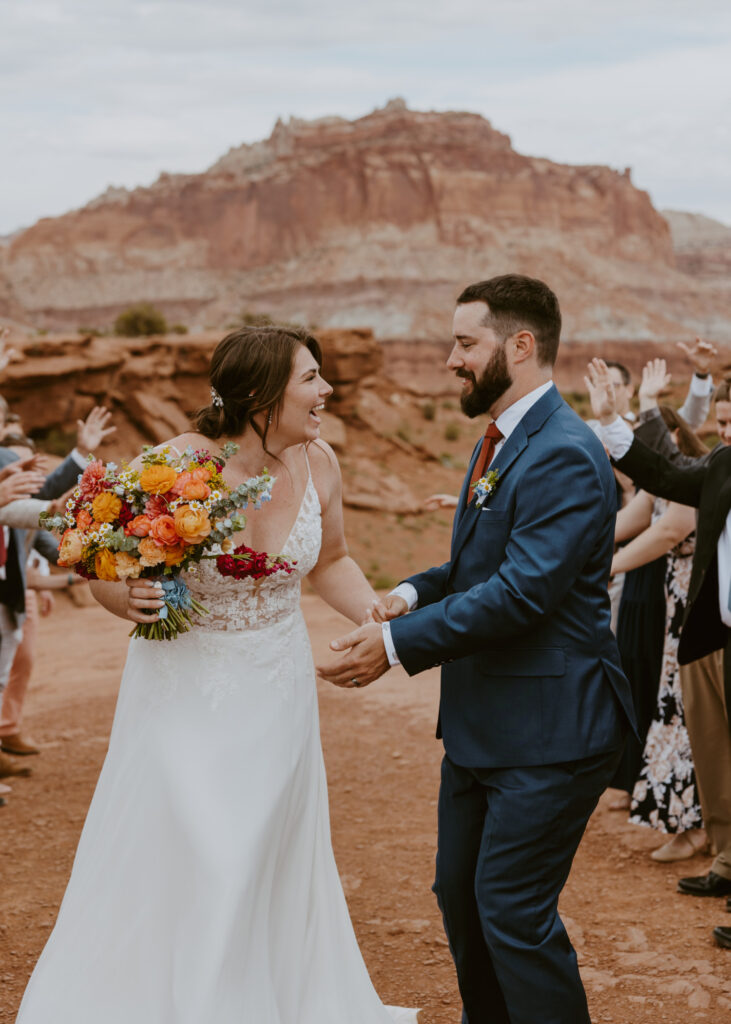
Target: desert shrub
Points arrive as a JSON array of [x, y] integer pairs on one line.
[[140, 320], [383, 582], [90, 332], [178, 329], [448, 405], [404, 432], [451, 431], [429, 409]]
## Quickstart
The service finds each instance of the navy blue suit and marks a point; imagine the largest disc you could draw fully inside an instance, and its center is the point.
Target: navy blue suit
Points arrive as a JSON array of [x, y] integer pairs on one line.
[[533, 713]]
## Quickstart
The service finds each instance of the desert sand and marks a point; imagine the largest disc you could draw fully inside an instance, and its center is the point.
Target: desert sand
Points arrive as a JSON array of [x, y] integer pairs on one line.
[[646, 953]]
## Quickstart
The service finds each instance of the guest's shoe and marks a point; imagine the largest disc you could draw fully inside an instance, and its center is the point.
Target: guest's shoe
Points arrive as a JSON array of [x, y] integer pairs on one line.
[[705, 885], [728, 905], [9, 767], [17, 744], [682, 846], [723, 937]]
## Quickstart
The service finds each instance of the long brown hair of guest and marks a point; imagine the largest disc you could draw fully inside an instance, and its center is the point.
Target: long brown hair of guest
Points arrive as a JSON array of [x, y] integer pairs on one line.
[[250, 369], [688, 441]]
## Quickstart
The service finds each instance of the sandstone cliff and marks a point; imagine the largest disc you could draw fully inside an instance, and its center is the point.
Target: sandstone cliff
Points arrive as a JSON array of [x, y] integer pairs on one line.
[[702, 245], [377, 221]]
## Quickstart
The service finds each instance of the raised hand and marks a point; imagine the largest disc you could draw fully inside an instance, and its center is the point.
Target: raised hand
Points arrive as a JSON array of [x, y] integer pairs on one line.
[[437, 501], [365, 658], [701, 354], [91, 432], [6, 354], [655, 380], [20, 485], [600, 386]]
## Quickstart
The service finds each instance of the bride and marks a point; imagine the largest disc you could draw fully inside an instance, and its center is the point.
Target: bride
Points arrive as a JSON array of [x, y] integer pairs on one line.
[[204, 889]]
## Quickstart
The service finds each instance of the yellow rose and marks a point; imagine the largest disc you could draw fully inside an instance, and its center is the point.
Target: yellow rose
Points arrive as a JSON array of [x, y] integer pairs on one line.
[[104, 565], [157, 479], [192, 524], [71, 548], [150, 552], [105, 507], [127, 566]]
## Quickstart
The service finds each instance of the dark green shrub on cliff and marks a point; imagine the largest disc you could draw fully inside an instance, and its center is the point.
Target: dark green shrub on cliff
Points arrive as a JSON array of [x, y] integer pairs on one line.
[[139, 320]]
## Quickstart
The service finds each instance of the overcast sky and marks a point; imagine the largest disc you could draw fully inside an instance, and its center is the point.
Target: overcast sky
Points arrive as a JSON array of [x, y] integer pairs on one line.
[[112, 92]]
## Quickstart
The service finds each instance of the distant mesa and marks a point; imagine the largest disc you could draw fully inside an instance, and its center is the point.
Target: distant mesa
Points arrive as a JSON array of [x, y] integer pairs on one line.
[[377, 222]]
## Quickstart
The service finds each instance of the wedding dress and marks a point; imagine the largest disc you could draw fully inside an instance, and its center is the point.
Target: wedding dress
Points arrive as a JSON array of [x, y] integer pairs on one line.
[[204, 889]]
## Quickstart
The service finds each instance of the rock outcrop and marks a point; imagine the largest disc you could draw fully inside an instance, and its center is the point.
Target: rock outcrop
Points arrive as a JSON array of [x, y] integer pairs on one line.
[[702, 245], [377, 221]]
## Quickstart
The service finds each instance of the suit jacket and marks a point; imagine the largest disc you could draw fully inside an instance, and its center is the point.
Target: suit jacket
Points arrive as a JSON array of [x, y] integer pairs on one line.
[[653, 432], [706, 485], [12, 588], [520, 616]]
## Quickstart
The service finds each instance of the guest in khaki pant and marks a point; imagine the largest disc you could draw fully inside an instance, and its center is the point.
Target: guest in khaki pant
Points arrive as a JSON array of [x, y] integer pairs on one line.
[[707, 721]]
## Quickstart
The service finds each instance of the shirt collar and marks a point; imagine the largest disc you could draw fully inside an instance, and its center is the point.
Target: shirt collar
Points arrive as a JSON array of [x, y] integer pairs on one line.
[[508, 420]]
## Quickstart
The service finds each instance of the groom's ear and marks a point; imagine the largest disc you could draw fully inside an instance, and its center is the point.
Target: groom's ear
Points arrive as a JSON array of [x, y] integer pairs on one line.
[[523, 344]]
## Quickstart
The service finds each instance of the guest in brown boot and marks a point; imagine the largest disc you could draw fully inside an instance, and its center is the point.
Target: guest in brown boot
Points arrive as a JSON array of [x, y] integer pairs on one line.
[[8, 767]]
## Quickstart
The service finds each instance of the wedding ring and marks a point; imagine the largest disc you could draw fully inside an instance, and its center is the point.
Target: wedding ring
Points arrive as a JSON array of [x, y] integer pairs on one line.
[[355, 682]]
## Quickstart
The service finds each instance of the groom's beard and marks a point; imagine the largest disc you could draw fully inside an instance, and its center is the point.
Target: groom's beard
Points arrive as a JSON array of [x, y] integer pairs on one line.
[[494, 381]]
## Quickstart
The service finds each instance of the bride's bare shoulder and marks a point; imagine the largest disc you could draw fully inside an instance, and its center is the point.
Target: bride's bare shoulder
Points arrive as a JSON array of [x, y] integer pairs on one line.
[[324, 465]]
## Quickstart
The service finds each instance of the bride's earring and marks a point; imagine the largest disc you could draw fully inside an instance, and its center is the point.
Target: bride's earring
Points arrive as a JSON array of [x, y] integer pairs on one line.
[[269, 419]]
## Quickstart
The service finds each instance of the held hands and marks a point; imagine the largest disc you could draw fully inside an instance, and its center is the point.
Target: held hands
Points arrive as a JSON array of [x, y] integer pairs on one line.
[[19, 485], [364, 660], [601, 392], [141, 595], [387, 608], [701, 354], [91, 432], [655, 380]]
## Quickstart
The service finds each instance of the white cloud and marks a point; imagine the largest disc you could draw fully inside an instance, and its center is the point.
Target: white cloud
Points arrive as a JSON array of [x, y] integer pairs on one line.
[[114, 92]]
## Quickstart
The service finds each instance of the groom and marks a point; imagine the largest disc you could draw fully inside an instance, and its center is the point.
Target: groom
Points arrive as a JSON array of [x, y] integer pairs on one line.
[[534, 705]]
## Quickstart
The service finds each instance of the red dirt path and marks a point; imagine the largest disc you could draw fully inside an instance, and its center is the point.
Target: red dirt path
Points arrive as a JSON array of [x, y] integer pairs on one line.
[[646, 953]]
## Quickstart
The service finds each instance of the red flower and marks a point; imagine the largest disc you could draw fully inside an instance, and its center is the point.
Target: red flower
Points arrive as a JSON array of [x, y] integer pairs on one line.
[[245, 563], [126, 515], [156, 506], [92, 480]]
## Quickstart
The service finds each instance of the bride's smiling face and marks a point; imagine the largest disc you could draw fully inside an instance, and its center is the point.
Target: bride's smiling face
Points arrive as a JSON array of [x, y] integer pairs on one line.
[[304, 398]]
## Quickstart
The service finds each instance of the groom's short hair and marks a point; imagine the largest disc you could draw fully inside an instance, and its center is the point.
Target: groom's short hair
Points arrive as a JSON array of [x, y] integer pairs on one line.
[[516, 303]]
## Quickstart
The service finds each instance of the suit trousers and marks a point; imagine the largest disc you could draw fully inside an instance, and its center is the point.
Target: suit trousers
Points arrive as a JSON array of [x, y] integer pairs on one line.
[[706, 718], [12, 700], [507, 839]]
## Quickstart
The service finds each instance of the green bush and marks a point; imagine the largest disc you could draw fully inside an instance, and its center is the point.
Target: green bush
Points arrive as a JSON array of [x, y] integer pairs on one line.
[[451, 431], [140, 320], [429, 410], [178, 329]]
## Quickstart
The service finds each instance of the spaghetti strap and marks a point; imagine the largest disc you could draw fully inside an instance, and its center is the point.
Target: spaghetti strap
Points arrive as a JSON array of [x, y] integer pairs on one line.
[[307, 460]]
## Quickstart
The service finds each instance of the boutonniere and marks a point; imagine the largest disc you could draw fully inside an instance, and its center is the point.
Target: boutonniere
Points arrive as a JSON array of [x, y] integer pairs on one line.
[[485, 487]]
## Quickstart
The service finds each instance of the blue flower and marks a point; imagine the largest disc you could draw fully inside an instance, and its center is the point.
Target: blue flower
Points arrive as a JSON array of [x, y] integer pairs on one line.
[[177, 594]]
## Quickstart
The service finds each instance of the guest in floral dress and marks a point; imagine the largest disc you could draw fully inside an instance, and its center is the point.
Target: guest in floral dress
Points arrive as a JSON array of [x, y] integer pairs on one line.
[[665, 796]]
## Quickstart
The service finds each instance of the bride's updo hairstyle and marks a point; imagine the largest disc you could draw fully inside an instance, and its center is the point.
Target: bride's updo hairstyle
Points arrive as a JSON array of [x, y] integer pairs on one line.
[[250, 369]]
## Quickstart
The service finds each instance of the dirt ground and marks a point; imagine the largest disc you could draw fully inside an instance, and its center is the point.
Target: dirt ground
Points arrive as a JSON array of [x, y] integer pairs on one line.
[[646, 953]]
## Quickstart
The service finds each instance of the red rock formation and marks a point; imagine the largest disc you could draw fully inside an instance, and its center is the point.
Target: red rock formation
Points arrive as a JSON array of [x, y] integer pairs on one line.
[[702, 245], [377, 221]]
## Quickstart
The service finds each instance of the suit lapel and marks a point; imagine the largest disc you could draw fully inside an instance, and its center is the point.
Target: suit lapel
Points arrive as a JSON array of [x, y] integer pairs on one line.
[[504, 459], [533, 420]]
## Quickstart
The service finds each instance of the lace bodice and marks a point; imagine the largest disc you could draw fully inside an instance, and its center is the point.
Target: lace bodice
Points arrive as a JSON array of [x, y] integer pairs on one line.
[[237, 605]]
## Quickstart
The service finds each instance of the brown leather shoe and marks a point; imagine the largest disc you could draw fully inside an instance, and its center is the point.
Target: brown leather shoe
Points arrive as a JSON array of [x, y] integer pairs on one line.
[[9, 767], [17, 744]]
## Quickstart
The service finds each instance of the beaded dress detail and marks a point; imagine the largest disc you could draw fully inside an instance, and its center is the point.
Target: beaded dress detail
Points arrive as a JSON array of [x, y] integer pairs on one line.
[[204, 886]]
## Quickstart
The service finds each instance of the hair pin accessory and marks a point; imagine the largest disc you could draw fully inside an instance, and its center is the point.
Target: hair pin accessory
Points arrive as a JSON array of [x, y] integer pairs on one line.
[[216, 398]]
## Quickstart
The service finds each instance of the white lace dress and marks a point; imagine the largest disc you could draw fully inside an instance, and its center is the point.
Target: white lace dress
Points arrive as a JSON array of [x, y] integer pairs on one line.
[[204, 889]]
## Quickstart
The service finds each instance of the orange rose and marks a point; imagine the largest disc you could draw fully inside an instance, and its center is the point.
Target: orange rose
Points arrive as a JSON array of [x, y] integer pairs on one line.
[[106, 507], [126, 566], [150, 552], [201, 473], [192, 524], [163, 531], [175, 555], [71, 548], [195, 490], [140, 526], [105, 566], [157, 479], [83, 520]]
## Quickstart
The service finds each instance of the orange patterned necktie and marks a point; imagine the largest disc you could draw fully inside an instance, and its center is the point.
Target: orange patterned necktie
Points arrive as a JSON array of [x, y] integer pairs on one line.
[[491, 438]]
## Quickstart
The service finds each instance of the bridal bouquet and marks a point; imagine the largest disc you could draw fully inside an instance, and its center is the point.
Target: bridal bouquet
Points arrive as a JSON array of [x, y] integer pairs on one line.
[[158, 521]]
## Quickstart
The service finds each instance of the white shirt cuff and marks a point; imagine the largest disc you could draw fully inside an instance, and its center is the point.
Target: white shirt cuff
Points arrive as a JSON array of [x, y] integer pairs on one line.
[[393, 658], [618, 438], [701, 387], [78, 458], [409, 594]]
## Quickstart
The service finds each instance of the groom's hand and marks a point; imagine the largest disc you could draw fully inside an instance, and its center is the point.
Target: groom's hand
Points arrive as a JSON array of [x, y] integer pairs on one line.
[[389, 607], [364, 661]]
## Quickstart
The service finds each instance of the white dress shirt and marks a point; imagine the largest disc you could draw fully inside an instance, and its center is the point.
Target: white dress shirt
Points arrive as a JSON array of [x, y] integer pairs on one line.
[[506, 423], [618, 437]]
